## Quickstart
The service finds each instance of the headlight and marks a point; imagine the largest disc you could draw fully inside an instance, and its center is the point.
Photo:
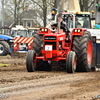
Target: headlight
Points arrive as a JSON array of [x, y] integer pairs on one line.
[[78, 30], [11, 40], [46, 30], [75, 30], [42, 29]]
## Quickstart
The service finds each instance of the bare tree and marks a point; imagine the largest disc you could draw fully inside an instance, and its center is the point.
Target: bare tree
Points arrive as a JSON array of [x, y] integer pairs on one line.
[[41, 7], [15, 8], [45, 7], [88, 5]]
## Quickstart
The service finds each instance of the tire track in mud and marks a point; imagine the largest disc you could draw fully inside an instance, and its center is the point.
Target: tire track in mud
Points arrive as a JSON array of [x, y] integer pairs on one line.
[[16, 82], [47, 84]]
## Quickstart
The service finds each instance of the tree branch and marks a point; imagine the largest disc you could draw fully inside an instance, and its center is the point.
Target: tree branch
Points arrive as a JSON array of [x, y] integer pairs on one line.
[[91, 4], [37, 4]]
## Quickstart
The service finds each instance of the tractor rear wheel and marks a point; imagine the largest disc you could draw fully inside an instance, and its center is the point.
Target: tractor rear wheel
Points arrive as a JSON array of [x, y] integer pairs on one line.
[[30, 61], [4, 48], [71, 62], [82, 45], [37, 43]]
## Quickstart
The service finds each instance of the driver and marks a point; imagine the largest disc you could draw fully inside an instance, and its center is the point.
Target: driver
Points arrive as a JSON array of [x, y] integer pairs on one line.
[[63, 24]]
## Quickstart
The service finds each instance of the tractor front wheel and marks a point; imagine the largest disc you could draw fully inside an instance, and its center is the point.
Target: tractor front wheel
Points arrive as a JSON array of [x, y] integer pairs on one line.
[[31, 61], [71, 62]]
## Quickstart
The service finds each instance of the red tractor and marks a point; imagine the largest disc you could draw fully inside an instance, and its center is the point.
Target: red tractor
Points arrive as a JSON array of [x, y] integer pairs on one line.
[[49, 46]]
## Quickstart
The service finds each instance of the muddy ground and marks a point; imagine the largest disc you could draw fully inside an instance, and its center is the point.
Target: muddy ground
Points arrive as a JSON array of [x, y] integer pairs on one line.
[[17, 84]]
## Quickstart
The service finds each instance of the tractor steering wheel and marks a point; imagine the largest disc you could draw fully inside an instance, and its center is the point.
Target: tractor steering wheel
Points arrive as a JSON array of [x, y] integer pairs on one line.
[[53, 28]]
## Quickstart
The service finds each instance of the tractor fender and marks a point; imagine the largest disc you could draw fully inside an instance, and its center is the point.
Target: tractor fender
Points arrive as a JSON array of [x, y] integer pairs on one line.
[[76, 32], [5, 37]]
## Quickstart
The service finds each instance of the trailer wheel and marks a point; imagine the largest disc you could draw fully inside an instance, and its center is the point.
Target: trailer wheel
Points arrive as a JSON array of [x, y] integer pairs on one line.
[[93, 69], [82, 45], [4, 48], [71, 62], [30, 61]]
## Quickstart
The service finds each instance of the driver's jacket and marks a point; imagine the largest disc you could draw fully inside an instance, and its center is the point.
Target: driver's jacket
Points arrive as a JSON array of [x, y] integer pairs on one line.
[[63, 26]]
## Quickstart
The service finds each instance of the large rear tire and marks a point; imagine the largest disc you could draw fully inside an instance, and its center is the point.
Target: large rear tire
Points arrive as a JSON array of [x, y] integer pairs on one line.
[[4, 48], [82, 45], [40, 64], [37, 42]]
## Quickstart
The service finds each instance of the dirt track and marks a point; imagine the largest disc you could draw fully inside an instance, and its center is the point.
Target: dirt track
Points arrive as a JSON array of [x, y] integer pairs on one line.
[[18, 84]]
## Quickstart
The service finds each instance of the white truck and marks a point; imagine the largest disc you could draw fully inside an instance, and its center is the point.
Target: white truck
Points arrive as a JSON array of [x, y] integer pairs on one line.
[[19, 31]]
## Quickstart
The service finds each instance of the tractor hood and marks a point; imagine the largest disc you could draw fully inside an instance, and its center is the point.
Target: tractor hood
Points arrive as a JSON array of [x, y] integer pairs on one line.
[[55, 36], [5, 37]]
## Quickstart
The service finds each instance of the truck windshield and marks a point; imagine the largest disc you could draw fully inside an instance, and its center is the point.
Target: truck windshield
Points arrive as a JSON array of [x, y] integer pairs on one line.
[[19, 33], [32, 32], [81, 21]]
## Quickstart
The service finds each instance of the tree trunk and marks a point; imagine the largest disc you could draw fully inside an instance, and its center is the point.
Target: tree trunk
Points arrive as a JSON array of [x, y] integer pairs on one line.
[[55, 3], [85, 5], [15, 12], [81, 5], [44, 12]]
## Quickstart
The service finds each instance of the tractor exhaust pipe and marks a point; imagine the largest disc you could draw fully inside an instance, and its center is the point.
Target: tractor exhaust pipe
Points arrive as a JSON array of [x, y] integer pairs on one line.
[[58, 27]]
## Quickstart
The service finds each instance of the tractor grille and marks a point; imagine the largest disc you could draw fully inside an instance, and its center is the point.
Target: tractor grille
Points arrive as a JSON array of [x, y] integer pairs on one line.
[[50, 38], [51, 43]]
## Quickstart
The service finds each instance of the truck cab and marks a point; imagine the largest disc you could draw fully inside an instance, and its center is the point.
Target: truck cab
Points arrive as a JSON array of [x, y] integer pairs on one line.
[[82, 20], [19, 31]]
